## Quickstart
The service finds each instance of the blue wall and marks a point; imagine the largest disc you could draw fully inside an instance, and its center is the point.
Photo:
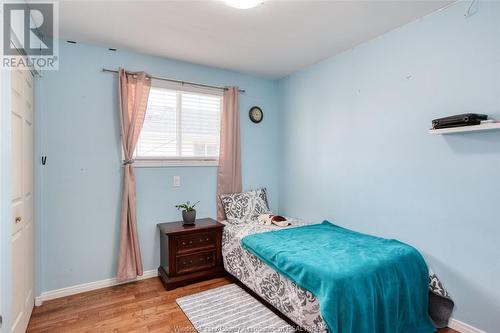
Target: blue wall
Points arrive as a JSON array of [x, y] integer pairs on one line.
[[356, 150], [80, 187]]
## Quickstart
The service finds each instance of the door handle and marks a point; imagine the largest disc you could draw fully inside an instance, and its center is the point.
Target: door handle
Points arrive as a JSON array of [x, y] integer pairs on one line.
[[18, 219]]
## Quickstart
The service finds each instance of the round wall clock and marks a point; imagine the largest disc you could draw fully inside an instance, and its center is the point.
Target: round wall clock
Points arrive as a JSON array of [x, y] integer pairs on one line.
[[256, 115]]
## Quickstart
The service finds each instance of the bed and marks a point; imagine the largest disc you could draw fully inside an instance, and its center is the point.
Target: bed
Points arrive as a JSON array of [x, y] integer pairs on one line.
[[296, 303]]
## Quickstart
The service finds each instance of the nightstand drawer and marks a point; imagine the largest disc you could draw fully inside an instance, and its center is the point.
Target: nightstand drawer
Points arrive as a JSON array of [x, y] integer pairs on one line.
[[197, 241], [195, 262]]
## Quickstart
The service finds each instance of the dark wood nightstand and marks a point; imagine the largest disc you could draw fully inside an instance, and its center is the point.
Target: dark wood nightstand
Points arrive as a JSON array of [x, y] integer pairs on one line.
[[190, 253]]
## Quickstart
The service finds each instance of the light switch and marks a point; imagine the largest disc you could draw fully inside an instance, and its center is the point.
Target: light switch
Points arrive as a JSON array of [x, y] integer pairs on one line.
[[177, 181]]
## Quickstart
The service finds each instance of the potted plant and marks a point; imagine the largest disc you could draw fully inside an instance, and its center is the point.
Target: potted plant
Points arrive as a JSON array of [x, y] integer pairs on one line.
[[188, 212]]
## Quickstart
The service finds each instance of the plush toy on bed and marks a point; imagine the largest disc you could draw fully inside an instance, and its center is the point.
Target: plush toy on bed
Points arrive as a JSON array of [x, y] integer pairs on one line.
[[268, 219]]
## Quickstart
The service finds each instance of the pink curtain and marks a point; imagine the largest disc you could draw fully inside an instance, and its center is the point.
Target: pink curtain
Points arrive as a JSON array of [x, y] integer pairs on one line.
[[229, 171], [133, 93]]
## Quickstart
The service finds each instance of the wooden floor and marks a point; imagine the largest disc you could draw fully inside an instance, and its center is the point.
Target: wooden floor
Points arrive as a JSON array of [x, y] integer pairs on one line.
[[142, 306]]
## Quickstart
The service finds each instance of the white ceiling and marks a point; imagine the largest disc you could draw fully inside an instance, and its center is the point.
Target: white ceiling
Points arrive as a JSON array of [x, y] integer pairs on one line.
[[271, 40]]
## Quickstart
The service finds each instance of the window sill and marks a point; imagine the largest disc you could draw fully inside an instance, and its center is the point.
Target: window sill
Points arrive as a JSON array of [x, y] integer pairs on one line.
[[162, 163]]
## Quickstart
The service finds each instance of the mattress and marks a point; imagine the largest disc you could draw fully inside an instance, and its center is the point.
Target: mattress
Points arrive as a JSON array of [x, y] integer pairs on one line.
[[296, 303]]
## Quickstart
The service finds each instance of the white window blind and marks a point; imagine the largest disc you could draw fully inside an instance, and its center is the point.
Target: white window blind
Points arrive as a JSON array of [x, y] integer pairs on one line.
[[181, 127]]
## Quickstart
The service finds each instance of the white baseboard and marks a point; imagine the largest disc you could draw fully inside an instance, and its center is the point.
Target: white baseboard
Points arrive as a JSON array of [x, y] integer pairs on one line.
[[80, 288], [461, 327]]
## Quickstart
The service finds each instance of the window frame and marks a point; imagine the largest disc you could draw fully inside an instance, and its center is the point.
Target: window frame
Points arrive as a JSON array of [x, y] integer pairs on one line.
[[154, 162]]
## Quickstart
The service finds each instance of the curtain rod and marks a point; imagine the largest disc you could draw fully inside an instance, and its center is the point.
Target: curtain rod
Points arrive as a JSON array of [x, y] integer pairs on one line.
[[177, 81]]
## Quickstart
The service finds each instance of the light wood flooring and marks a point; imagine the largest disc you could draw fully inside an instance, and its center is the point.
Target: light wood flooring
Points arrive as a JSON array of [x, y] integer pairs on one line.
[[143, 306]]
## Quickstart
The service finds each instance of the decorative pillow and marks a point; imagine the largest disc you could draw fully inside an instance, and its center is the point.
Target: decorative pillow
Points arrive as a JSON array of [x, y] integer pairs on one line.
[[244, 207]]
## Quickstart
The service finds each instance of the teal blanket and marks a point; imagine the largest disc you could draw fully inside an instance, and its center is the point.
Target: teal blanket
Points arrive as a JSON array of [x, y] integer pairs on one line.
[[364, 284]]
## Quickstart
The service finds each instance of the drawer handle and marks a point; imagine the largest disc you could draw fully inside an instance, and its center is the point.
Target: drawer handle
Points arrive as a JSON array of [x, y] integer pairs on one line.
[[187, 262], [183, 243], [190, 242]]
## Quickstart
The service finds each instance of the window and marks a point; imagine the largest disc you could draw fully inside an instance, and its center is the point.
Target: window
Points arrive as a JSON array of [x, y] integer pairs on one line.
[[181, 126]]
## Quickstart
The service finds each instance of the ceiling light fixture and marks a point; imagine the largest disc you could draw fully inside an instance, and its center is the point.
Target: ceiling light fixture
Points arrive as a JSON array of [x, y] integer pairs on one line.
[[243, 4]]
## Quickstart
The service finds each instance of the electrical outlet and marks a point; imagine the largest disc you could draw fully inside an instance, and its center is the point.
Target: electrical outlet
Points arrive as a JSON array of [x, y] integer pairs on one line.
[[177, 181]]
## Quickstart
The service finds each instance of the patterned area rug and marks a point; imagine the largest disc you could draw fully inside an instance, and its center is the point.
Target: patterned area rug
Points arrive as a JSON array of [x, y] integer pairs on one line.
[[230, 309]]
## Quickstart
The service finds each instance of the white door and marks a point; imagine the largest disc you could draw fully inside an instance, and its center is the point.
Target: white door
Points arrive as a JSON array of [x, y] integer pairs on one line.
[[22, 199]]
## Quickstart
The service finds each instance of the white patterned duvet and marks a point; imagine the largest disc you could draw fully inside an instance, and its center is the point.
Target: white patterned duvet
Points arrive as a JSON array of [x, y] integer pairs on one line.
[[294, 302]]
